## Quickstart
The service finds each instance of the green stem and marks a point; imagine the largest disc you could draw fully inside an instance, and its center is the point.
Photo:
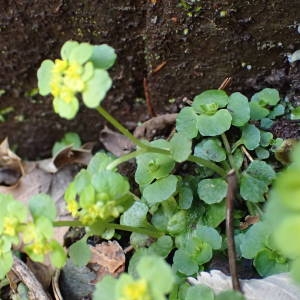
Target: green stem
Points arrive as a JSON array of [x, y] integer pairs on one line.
[[125, 158], [148, 148], [208, 164], [228, 151], [147, 231]]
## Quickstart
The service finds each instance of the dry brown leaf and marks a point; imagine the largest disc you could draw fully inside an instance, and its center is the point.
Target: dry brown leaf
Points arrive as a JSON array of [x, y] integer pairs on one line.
[[11, 168], [150, 128], [249, 220], [115, 142], [108, 258]]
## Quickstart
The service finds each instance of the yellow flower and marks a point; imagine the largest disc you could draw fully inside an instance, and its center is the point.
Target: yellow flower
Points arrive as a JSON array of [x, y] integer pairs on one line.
[[136, 290], [73, 207], [10, 226], [40, 247], [76, 84], [59, 66], [74, 70], [66, 94]]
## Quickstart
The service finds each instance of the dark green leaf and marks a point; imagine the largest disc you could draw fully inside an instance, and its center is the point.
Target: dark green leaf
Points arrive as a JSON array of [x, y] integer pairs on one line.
[[238, 106], [210, 149], [212, 190]]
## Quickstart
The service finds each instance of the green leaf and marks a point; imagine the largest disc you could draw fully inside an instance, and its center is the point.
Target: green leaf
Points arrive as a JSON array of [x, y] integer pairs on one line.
[[103, 56], [295, 270], [81, 53], [69, 139], [250, 136], [105, 289], [265, 138], [152, 166], [238, 158], [136, 215], [42, 205], [187, 122], [162, 246], [210, 149], [277, 111], [295, 113], [111, 183], [6, 262], [268, 263], [209, 235], [266, 97], [87, 196], [254, 240], [177, 223], [58, 255], [67, 110], [185, 197], [67, 48], [212, 190], [257, 111], [230, 295], [156, 272], [212, 125], [215, 214], [99, 162], [44, 75], [44, 226], [80, 252], [181, 147], [184, 263], [198, 292], [255, 181], [266, 123], [262, 153], [239, 108], [160, 190], [218, 97], [286, 236], [96, 88]]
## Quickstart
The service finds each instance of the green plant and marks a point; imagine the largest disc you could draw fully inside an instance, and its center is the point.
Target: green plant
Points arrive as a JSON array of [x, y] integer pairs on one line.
[[175, 212]]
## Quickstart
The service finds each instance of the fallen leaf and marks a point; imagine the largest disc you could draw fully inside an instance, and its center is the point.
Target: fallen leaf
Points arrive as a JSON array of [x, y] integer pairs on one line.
[[107, 258], [279, 286]]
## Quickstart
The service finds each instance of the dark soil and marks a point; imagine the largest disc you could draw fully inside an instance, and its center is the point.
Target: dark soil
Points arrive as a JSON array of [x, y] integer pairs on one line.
[[199, 49]]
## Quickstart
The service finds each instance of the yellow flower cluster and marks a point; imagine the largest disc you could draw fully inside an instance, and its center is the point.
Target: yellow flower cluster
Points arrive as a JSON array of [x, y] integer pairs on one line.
[[66, 80], [10, 226], [136, 290]]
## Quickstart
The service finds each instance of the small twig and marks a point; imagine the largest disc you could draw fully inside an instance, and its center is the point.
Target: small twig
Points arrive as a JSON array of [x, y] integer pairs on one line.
[[128, 249], [225, 83], [247, 153], [159, 67], [148, 99], [27, 277], [232, 184]]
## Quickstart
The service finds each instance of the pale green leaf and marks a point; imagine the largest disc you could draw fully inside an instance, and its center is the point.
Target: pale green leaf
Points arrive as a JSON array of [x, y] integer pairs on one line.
[[103, 56], [44, 75], [212, 190]]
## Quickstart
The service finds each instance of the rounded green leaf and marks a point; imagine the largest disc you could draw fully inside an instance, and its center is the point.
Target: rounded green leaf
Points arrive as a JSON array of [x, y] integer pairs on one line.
[[103, 56], [81, 53], [239, 109], [162, 246], [218, 97], [199, 292], [42, 205], [250, 136], [208, 235], [44, 75], [262, 153], [160, 190], [136, 215], [212, 190], [268, 263], [257, 111], [265, 138], [156, 272], [215, 124], [229, 295], [80, 252], [210, 149], [295, 113], [67, 110], [58, 255], [262, 171], [186, 122], [185, 198], [266, 97], [105, 289], [96, 88], [184, 263], [67, 48], [6, 262], [177, 223], [181, 147]]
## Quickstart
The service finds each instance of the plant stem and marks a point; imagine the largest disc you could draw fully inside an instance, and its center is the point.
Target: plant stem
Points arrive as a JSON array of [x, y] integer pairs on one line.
[[228, 150], [208, 164], [153, 232], [125, 158], [148, 148]]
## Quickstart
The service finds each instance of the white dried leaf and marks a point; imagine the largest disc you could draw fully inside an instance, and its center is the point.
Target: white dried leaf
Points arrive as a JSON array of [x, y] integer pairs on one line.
[[275, 287]]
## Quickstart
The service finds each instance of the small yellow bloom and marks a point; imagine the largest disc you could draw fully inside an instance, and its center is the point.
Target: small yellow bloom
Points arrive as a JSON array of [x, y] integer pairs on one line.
[[59, 66], [137, 290], [40, 247], [73, 207], [76, 84], [74, 70], [10, 226], [66, 94]]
